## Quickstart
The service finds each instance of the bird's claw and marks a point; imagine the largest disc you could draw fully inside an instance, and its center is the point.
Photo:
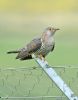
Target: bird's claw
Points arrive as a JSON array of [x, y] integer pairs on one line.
[[46, 62]]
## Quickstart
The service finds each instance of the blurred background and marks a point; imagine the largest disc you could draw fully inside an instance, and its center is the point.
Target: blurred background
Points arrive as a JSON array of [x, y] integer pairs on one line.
[[21, 20]]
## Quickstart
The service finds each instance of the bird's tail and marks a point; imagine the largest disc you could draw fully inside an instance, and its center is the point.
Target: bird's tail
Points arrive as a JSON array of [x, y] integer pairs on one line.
[[9, 52]]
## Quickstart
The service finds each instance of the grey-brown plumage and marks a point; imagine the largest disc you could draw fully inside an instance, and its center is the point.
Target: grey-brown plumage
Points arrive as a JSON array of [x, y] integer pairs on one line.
[[39, 46]]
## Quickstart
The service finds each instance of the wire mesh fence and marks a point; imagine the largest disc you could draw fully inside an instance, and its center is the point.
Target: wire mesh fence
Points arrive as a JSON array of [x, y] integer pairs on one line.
[[31, 83], [36, 98]]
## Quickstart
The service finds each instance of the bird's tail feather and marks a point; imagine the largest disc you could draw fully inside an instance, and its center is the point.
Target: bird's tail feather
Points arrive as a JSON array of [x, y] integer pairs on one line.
[[9, 52]]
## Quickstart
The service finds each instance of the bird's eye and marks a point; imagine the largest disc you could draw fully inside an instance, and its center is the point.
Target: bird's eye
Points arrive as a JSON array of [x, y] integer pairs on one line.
[[50, 29]]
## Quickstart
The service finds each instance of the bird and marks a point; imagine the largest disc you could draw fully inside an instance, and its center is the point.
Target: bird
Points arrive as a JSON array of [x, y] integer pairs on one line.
[[40, 46]]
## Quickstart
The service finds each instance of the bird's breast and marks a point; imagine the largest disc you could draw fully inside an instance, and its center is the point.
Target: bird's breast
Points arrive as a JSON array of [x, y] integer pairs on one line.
[[46, 47]]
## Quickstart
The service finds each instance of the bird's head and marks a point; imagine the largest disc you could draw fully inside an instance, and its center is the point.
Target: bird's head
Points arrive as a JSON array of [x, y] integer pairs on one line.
[[51, 31]]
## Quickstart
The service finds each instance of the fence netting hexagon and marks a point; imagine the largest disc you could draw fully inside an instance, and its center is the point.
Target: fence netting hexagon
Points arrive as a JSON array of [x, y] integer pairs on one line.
[[31, 83]]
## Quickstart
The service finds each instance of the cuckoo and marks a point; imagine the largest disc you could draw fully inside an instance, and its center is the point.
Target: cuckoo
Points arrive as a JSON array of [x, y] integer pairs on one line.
[[40, 47]]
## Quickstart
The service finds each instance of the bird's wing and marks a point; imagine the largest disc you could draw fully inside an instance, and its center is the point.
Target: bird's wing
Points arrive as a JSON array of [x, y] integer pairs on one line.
[[34, 45], [53, 46], [31, 47]]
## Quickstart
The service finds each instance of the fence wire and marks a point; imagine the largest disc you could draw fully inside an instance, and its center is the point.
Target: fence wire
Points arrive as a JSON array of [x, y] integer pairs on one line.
[[31, 83]]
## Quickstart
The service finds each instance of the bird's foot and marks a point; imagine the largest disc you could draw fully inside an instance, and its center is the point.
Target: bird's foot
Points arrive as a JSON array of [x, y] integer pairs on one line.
[[43, 61], [46, 62], [41, 57]]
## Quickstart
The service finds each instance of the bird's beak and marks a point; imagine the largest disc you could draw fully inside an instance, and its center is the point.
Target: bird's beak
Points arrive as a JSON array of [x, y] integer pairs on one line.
[[57, 29]]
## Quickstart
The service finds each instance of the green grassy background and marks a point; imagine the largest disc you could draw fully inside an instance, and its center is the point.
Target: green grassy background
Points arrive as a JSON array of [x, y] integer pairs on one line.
[[22, 20]]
